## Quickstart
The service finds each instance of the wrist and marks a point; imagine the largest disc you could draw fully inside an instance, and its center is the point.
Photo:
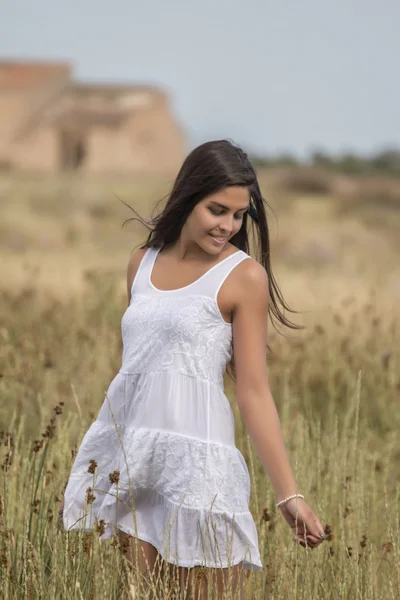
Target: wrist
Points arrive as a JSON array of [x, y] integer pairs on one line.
[[294, 496], [282, 495]]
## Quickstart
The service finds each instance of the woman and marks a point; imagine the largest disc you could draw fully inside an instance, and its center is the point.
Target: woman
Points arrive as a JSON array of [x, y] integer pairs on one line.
[[159, 465]]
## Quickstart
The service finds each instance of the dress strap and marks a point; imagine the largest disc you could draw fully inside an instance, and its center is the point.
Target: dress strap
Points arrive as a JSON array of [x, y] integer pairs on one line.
[[140, 284], [216, 276]]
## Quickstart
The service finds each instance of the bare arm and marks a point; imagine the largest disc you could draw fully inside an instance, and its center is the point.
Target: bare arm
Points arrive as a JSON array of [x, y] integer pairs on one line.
[[256, 405], [255, 401]]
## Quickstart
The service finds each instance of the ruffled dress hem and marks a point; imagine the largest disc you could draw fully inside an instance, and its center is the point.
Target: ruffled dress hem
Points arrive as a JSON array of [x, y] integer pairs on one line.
[[169, 528]]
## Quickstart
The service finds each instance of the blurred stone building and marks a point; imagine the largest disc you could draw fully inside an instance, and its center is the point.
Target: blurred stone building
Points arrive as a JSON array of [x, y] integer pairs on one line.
[[50, 123]]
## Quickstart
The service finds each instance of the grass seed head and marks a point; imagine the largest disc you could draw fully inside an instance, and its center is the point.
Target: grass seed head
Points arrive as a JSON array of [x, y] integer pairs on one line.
[[114, 477], [92, 466], [90, 497]]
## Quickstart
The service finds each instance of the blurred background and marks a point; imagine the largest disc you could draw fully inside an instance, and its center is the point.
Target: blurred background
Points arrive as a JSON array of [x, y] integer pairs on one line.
[[99, 105], [102, 103]]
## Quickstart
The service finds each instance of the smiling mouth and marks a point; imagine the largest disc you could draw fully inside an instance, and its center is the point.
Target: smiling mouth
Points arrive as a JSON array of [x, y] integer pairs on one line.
[[219, 239]]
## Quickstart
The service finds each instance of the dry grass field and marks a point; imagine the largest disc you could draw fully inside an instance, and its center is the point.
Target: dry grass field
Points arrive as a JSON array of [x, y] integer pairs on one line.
[[63, 256]]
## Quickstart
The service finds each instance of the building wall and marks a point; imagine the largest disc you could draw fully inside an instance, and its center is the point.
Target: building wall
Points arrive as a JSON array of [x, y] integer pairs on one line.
[[13, 108], [157, 141], [121, 129], [107, 150], [39, 151], [149, 141], [21, 104]]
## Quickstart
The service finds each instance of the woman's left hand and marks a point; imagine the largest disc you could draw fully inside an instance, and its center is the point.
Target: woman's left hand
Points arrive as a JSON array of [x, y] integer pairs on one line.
[[303, 523]]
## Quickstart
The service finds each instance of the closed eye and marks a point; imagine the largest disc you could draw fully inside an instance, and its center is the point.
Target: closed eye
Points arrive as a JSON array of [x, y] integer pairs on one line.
[[217, 213]]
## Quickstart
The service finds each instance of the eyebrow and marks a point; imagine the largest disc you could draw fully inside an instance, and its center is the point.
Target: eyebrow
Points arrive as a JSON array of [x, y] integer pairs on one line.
[[227, 207]]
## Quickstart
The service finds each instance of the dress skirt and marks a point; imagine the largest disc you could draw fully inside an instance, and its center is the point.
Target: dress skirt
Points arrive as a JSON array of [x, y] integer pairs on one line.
[[160, 463]]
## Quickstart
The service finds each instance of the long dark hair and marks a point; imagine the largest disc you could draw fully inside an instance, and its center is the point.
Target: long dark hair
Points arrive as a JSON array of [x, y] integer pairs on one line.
[[209, 168]]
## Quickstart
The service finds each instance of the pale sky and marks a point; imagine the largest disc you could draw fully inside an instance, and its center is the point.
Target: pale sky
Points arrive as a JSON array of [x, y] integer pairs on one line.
[[281, 75]]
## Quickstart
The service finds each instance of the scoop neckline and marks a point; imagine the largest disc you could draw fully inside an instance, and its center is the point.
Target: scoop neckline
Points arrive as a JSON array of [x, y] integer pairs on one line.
[[190, 284]]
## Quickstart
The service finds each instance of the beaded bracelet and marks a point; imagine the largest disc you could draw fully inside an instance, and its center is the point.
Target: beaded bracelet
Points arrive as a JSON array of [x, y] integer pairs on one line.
[[289, 498]]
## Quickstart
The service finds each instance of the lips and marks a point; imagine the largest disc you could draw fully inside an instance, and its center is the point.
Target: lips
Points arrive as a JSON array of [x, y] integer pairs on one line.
[[218, 238]]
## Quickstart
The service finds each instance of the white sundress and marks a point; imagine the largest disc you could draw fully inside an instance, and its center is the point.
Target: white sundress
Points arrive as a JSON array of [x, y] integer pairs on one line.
[[167, 428]]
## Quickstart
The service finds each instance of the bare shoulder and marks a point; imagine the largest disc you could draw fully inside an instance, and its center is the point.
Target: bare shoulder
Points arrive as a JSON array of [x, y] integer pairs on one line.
[[250, 284], [133, 266]]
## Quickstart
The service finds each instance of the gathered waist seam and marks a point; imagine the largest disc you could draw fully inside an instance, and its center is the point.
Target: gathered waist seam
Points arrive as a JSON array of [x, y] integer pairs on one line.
[[169, 371], [168, 432]]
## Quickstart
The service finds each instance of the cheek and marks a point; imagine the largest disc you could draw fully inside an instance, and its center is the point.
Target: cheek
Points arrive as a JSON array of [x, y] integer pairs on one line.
[[237, 225], [203, 220]]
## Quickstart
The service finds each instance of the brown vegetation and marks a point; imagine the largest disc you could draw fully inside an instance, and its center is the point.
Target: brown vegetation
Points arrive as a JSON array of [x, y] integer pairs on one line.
[[336, 385]]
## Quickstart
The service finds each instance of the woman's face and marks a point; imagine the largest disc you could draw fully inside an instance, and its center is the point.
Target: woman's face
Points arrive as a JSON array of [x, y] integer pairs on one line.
[[217, 218]]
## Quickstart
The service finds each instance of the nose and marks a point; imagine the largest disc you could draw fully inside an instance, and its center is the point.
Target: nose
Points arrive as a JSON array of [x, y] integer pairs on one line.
[[226, 224]]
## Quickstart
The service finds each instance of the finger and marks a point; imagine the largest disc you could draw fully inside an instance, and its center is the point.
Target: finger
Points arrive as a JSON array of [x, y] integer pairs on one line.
[[315, 528], [300, 529], [303, 542], [313, 539], [310, 541], [313, 545]]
